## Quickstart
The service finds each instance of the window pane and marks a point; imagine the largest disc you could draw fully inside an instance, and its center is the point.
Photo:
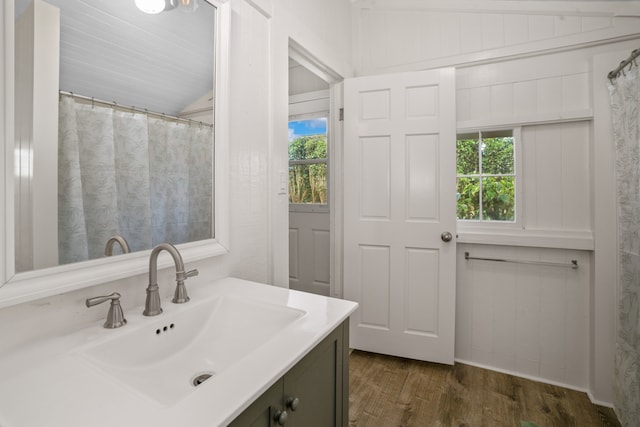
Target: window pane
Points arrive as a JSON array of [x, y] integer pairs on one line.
[[467, 162], [498, 198], [308, 183], [468, 198], [308, 139], [497, 155]]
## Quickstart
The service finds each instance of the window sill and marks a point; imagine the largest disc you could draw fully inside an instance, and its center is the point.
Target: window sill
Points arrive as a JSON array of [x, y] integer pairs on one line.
[[308, 208], [557, 239]]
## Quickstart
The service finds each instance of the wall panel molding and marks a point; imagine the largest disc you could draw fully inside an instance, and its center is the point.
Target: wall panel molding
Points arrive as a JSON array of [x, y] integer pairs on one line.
[[265, 7], [539, 119], [408, 35], [562, 8], [527, 320]]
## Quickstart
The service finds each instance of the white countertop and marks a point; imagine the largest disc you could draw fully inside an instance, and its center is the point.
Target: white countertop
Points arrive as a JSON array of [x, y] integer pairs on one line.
[[47, 384]]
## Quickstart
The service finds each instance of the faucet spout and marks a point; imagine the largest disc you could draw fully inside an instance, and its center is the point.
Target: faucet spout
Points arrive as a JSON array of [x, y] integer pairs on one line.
[[152, 305], [108, 249]]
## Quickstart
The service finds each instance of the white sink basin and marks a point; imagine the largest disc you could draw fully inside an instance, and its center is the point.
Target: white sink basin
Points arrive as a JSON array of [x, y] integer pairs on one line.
[[161, 358], [248, 334]]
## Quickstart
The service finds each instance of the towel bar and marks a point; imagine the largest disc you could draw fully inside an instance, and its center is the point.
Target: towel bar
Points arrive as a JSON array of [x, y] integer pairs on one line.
[[573, 264]]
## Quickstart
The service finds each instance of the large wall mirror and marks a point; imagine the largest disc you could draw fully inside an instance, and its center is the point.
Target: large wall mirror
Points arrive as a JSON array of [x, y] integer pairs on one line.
[[113, 136]]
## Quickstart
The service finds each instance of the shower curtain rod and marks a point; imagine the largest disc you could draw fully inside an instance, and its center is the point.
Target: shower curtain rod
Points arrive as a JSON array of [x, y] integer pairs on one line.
[[134, 109], [613, 74]]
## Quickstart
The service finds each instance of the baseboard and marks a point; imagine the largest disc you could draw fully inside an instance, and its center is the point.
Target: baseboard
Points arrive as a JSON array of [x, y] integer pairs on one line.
[[537, 379], [599, 402]]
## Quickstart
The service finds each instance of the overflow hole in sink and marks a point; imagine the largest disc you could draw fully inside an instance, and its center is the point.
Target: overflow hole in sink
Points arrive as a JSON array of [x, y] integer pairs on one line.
[[165, 329], [200, 378]]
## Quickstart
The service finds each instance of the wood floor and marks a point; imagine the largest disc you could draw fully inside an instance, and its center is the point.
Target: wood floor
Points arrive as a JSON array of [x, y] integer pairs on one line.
[[387, 391]]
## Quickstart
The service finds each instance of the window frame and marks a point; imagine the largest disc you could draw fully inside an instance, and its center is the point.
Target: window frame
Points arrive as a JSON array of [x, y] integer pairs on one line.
[[483, 224], [311, 207]]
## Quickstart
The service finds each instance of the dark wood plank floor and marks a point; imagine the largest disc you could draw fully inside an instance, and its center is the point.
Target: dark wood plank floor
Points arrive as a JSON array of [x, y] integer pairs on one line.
[[386, 391]]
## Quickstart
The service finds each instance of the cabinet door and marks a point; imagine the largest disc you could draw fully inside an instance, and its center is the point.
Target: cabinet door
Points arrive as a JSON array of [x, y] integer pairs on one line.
[[261, 412], [317, 384]]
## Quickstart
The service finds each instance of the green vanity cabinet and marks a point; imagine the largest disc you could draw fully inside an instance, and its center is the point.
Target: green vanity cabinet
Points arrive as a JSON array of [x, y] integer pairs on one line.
[[313, 393], [259, 413]]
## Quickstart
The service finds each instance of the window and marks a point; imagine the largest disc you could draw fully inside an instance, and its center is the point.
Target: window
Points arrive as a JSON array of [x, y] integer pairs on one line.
[[486, 176], [308, 162]]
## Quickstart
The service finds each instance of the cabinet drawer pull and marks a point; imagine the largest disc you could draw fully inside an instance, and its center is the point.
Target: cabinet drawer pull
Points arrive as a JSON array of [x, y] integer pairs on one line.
[[293, 403], [281, 417]]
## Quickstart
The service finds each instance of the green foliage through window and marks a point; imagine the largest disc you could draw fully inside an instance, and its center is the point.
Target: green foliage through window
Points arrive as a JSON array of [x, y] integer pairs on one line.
[[485, 166], [308, 169]]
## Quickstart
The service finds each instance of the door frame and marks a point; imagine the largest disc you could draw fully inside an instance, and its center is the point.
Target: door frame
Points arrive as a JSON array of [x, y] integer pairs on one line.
[[335, 174]]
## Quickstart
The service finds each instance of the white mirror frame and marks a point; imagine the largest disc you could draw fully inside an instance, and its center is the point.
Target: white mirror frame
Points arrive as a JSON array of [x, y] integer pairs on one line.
[[32, 285]]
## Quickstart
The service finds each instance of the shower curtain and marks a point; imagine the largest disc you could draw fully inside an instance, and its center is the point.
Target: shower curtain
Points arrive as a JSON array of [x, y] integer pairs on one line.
[[146, 179], [625, 108]]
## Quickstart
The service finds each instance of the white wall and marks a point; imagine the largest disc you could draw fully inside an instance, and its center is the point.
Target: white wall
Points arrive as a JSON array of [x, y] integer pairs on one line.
[[528, 320], [524, 319], [200, 110], [249, 136], [605, 268], [397, 35], [524, 91], [301, 80], [36, 136], [258, 98], [550, 97], [322, 29], [526, 64]]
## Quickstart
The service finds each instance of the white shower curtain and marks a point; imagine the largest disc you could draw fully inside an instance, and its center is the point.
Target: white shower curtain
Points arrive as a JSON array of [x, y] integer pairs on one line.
[[625, 107], [148, 180]]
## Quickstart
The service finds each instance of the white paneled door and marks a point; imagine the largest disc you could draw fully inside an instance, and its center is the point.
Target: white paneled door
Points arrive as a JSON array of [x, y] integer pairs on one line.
[[399, 205]]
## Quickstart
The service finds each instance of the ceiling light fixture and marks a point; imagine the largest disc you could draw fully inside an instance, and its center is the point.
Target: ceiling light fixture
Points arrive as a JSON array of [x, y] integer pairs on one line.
[[188, 5], [151, 7], [154, 7]]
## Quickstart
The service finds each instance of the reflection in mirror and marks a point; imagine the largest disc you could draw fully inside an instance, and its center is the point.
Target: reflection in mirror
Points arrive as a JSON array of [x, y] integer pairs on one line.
[[114, 115]]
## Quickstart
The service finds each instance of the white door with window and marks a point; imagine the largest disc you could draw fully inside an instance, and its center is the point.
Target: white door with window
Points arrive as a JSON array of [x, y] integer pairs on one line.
[[400, 213], [309, 228]]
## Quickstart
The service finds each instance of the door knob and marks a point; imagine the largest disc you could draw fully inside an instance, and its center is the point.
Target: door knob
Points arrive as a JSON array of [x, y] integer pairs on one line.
[[446, 236]]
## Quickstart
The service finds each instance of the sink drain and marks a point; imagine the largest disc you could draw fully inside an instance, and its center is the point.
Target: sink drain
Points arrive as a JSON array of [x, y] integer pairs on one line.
[[200, 378]]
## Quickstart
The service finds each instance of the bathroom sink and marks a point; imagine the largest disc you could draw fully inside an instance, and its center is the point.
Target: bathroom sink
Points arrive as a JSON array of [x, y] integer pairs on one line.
[[166, 358]]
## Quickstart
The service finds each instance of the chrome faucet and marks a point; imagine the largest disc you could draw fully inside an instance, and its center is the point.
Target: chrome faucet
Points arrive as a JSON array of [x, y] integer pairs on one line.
[[115, 317], [152, 305], [108, 249]]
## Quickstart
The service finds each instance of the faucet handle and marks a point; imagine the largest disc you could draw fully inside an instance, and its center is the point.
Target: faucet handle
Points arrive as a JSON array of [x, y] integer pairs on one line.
[[115, 316], [180, 296]]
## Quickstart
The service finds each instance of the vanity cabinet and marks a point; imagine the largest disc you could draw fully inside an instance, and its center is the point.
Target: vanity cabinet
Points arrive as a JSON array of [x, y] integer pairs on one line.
[[313, 393]]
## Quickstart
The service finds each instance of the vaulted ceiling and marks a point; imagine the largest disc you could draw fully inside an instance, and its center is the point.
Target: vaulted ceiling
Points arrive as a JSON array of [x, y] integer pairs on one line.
[[112, 51]]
